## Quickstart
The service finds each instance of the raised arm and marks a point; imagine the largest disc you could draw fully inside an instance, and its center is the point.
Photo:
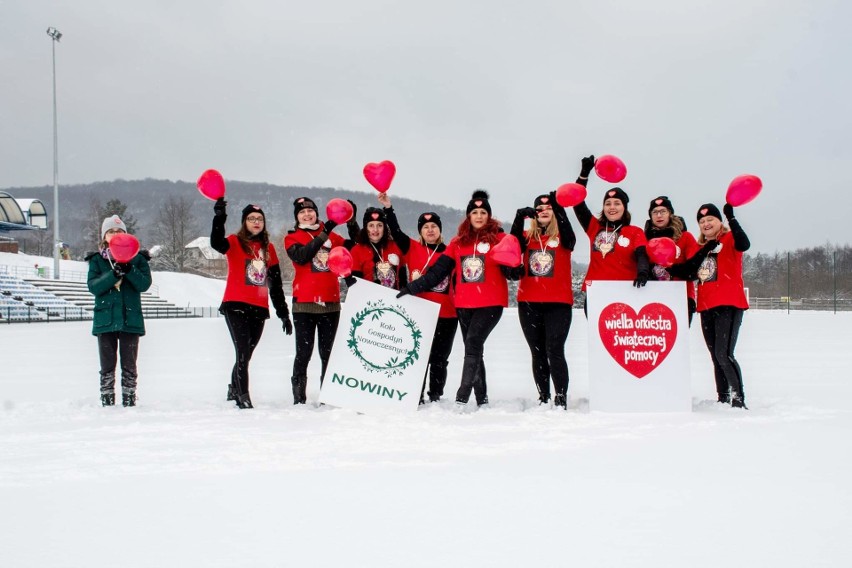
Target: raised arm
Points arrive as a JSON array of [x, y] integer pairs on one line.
[[217, 232]]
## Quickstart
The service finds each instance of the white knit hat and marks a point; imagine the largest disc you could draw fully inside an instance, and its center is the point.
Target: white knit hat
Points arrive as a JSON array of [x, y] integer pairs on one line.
[[113, 222]]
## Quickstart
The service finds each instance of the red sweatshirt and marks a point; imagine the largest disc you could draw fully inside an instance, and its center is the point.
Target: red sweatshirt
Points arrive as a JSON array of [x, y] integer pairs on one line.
[[547, 272], [479, 280], [314, 282], [384, 272], [612, 252], [687, 246], [247, 273], [418, 259], [720, 277]]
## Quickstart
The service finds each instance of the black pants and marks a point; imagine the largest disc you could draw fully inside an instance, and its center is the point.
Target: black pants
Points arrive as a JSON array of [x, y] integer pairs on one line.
[[545, 326], [721, 326], [309, 326], [476, 325], [442, 346], [110, 346], [246, 326]]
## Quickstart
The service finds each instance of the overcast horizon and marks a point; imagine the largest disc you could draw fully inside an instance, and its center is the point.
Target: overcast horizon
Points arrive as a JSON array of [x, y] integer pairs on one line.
[[460, 95]]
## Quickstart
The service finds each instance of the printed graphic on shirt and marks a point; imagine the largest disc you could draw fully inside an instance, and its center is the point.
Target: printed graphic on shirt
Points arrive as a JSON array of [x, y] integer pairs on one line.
[[707, 270], [443, 286], [660, 273], [385, 274], [319, 263], [604, 242], [255, 272], [541, 263], [473, 269]]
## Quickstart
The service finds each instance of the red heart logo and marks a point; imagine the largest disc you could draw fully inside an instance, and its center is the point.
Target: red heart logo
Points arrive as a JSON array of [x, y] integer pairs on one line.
[[375, 215], [659, 202], [427, 217], [380, 175], [544, 200], [703, 211], [638, 342], [611, 193], [478, 203]]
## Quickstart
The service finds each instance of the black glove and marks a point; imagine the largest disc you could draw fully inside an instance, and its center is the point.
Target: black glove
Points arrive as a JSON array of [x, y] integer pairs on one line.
[[728, 210], [404, 291], [641, 279], [350, 281], [288, 325], [118, 271], [329, 226], [526, 212], [219, 208], [354, 210], [587, 165]]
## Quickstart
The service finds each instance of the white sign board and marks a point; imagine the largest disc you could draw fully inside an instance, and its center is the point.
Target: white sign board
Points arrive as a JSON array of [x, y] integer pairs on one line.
[[638, 347], [381, 350]]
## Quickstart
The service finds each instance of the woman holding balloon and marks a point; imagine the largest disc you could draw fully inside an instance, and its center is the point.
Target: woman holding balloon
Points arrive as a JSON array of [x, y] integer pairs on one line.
[[376, 257], [483, 257], [545, 296], [316, 291], [254, 276], [420, 255], [117, 277]]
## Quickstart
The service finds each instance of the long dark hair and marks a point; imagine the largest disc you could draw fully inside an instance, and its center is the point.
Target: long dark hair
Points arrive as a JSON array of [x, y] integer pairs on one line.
[[363, 237], [244, 237]]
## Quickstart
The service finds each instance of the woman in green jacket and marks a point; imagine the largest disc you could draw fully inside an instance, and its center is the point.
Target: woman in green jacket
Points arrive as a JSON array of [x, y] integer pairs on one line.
[[118, 321]]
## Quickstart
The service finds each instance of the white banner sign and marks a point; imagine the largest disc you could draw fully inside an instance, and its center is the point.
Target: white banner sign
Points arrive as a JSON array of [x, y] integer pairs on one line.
[[381, 350], [638, 347]]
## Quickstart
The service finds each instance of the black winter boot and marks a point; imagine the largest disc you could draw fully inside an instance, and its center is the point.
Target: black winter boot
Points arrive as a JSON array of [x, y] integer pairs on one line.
[[128, 399], [737, 401], [244, 401], [232, 393], [561, 401], [300, 388], [107, 399]]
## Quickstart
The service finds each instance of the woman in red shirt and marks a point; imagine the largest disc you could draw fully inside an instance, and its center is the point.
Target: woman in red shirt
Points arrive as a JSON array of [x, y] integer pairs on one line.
[[481, 291], [376, 257], [545, 298], [253, 277]]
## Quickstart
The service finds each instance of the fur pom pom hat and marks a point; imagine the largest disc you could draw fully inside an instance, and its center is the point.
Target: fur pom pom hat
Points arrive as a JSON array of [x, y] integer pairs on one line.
[[479, 200]]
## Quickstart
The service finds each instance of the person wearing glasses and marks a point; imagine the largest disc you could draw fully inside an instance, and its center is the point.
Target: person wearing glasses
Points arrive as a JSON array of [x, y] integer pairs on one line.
[[254, 276], [118, 322], [662, 222], [545, 297]]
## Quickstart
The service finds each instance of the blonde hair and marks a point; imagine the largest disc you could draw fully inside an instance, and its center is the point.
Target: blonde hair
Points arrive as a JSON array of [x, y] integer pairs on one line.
[[535, 231], [702, 239]]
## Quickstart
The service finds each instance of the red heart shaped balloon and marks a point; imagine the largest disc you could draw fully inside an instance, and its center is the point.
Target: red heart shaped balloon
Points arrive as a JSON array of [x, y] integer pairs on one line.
[[507, 252], [662, 251], [211, 184], [340, 261], [570, 194], [743, 189], [123, 247], [339, 210], [611, 169], [380, 175]]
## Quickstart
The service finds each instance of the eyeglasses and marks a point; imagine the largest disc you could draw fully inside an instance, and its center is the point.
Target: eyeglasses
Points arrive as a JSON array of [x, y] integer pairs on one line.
[[255, 219], [659, 212], [114, 231]]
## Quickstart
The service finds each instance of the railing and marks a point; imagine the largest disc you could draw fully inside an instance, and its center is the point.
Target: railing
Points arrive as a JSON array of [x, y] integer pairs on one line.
[[31, 314], [801, 304], [46, 273]]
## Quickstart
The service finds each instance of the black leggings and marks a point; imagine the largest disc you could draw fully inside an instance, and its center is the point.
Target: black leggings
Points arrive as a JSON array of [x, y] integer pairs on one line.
[[246, 326], [545, 326], [721, 326], [111, 345], [476, 325], [442, 346], [308, 326]]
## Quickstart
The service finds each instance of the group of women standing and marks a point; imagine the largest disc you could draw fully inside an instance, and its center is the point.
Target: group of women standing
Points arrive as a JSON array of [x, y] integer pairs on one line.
[[472, 287]]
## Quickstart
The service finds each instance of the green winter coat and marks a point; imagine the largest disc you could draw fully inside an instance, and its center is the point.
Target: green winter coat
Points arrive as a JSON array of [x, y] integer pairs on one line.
[[118, 309]]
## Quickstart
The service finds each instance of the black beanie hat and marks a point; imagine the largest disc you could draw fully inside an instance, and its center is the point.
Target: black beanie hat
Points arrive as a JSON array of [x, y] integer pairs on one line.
[[543, 199], [479, 200], [428, 217], [617, 193], [661, 201], [249, 209], [304, 203], [373, 214], [708, 209]]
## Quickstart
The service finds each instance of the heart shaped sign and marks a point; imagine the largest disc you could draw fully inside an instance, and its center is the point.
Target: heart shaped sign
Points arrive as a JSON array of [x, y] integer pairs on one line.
[[123, 247], [340, 261], [380, 175], [570, 194], [211, 184], [638, 342], [507, 252], [743, 189], [339, 210]]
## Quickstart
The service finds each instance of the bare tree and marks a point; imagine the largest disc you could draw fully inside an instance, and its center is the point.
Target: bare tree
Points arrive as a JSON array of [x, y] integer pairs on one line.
[[38, 242], [174, 227], [97, 214]]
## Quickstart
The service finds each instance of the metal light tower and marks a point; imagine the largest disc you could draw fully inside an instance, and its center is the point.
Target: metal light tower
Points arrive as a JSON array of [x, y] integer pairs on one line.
[[55, 36]]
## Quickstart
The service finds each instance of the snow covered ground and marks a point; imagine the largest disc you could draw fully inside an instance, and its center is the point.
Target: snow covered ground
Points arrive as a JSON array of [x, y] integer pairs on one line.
[[186, 479]]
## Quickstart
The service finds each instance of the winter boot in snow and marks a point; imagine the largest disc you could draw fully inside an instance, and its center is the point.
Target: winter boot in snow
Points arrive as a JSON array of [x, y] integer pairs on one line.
[[128, 399], [244, 401], [232, 393], [724, 397], [560, 401], [300, 390], [107, 399], [737, 401]]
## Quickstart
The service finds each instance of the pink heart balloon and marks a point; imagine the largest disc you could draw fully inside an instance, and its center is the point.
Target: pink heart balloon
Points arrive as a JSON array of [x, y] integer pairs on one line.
[[211, 184], [123, 247], [662, 251], [339, 210], [743, 189], [340, 261], [611, 169], [507, 252], [570, 194], [380, 175]]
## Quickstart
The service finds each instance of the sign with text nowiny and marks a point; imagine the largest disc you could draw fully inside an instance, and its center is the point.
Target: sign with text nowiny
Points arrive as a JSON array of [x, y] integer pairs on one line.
[[638, 347], [381, 350]]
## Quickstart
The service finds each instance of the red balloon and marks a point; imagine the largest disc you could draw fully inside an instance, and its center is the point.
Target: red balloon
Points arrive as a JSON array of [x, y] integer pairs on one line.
[[662, 251], [507, 252], [211, 184], [123, 247], [340, 261], [743, 190], [611, 169], [339, 210], [570, 194], [380, 175]]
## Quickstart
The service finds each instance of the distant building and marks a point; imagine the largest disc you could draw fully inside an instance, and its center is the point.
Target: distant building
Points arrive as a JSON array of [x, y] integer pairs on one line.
[[206, 258]]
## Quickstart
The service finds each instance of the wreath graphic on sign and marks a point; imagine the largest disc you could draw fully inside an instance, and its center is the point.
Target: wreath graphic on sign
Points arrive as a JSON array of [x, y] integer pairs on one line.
[[375, 311]]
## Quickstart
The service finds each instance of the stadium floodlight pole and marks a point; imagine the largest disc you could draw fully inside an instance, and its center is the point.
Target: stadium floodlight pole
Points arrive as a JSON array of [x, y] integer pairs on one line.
[[55, 36]]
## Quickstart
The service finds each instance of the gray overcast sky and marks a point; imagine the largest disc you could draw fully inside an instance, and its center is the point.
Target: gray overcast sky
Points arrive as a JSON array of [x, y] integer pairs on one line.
[[459, 94]]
